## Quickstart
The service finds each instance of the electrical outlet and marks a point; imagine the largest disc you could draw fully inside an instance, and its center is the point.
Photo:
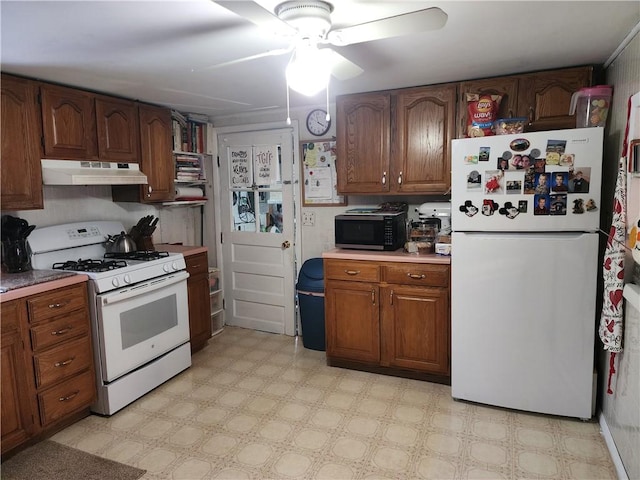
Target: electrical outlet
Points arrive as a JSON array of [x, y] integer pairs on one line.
[[308, 219]]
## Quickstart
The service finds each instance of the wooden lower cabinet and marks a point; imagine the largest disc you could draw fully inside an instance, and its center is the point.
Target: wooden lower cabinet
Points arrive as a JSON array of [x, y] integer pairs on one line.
[[388, 317], [18, 392], [48, 376], [199, 306]]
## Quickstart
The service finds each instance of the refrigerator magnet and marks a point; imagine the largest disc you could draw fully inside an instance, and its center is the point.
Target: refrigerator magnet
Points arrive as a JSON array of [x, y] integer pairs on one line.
[[542, 183], [493, 181], [470, 159], [509, 211], [519, 145], [560, 181], [474, 180], [578, 206], [591, 205], [489, 207], [483, 156], [469, 209], [579, 180], [514, 187], [523, 206], [541, 203], [558, 204]]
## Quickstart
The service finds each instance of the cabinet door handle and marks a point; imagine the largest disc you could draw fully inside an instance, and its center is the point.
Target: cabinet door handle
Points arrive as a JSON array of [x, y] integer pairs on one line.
[[57, 305], [531, 115], [352, 272], [510, 113], [400, 179], [64, 363], [415, 276], [69, 397], [62, 331], [384, 178], [373, 297], [391, 297]]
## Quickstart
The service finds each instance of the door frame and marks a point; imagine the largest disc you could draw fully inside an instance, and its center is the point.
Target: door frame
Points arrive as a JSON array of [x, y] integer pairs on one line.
[[297, 201]]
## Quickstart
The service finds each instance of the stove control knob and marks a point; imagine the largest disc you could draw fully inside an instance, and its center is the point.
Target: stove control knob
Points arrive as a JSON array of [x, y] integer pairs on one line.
[[166, 268], [174, 265], [115, 282], [127, 278]]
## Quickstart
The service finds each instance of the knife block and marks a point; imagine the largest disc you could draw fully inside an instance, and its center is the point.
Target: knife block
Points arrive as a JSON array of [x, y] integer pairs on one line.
[[145, 243]]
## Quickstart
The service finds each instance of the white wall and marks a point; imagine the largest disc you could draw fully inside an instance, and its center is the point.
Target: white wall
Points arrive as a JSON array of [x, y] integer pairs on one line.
[[621, 410]]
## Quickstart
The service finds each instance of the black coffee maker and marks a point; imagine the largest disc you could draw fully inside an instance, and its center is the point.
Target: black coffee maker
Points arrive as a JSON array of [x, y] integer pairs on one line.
[[16, 255]]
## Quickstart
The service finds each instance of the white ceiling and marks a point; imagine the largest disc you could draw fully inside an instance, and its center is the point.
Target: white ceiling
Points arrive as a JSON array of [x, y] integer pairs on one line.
[[158, 51]]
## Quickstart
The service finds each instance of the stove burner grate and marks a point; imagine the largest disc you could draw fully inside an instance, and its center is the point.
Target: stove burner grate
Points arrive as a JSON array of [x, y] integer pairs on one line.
[[90, 265], [144, 255]]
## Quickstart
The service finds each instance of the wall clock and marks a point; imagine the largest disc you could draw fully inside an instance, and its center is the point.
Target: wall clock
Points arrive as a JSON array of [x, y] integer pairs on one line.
[[317, 122]]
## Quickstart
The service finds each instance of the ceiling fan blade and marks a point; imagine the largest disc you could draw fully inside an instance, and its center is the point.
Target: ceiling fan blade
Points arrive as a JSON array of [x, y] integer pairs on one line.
[[342, 68], [260, 16], [405, 24], [270, 53]]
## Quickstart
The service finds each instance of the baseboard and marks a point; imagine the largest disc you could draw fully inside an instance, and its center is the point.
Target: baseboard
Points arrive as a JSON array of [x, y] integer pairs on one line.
[[613, 451]]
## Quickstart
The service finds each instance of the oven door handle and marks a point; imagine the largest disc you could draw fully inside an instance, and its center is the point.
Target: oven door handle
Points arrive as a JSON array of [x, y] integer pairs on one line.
[[144, 287]]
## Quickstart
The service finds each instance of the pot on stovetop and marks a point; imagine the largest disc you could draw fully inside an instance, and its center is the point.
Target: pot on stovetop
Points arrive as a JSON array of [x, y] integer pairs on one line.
[[122, 243]]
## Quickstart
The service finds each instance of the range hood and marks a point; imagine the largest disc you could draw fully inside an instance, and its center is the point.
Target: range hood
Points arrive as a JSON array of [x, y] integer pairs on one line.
[[72, 172]]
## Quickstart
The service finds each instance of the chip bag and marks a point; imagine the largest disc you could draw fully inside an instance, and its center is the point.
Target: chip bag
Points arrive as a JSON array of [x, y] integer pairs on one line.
[[482, 111]]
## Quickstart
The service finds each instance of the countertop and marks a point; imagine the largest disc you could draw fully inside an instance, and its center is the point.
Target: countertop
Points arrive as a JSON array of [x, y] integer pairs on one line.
[[18, 285], [395, 256], [186, 250]]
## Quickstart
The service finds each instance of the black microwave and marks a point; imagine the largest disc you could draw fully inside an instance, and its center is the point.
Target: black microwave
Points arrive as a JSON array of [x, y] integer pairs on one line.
[[371, 231]]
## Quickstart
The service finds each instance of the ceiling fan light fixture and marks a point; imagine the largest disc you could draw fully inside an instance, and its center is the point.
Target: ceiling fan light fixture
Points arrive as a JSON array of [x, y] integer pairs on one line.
[[311, 18], [308, 71]]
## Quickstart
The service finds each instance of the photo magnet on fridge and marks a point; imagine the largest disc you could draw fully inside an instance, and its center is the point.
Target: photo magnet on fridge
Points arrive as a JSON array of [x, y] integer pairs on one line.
[[579, 180], [483, 156], [560, 181], [541, 203], [558, 204], [474, 180]]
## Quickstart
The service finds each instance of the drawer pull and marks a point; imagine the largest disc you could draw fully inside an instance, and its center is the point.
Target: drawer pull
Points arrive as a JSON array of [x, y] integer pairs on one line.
[[69, 397], [415, 276], [391, 298], [373, 297], [57, 305], [62, 331], [64, 363], [352, 272]]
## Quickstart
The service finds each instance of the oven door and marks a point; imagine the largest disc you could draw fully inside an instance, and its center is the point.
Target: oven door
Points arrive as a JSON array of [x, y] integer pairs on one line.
[[139, 323]]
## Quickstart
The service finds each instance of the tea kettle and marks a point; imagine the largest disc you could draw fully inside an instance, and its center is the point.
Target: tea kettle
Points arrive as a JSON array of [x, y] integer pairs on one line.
[[122, 243]]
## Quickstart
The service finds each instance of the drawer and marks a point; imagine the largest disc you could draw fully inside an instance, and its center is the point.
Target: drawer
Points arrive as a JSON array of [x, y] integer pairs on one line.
[[215, 301], [57, 302], [354, 271], [417, 274], [69, 397], [62, 361], [48, 334], [197, 264]]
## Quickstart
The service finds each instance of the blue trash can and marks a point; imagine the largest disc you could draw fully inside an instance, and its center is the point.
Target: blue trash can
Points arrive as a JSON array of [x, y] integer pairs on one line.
[[310, 288]]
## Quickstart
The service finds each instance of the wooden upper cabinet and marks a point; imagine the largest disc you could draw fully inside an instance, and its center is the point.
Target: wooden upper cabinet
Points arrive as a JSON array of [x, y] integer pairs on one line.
[[505, 86], [363, 133], [68, 122], [156, 153], [545, 97], [117, 126], [21, 187], [423, 124]]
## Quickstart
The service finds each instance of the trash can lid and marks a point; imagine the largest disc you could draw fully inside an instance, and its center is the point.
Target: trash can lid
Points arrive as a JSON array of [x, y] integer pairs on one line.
[[311, 276]]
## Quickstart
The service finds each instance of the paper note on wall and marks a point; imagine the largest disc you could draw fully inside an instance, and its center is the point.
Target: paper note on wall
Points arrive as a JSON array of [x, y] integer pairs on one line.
[[319, 183]]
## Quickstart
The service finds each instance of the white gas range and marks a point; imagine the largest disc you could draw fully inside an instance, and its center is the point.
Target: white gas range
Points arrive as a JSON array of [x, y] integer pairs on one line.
[[138, 303]]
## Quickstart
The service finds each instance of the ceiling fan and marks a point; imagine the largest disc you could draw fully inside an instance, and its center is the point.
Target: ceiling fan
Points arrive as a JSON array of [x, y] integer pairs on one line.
[[308, 26]]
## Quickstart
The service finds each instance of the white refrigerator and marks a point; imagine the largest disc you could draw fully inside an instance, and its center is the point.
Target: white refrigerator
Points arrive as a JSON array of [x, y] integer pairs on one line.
[[525, 211]]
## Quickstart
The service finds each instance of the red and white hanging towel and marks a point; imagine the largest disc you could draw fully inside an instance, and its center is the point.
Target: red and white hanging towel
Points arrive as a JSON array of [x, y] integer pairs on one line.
[[611, 321]]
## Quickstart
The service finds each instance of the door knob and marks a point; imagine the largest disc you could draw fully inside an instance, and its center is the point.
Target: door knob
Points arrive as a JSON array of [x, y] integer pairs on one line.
[[286, 244]]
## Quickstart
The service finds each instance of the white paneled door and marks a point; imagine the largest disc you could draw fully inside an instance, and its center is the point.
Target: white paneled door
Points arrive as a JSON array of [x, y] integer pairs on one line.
[[257, 216]]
